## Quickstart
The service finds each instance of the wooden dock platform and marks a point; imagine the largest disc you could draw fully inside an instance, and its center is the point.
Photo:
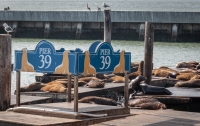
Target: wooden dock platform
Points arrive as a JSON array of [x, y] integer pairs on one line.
[[138, 117], [167, 117], [180, 94], [62, 114], [26, 100]]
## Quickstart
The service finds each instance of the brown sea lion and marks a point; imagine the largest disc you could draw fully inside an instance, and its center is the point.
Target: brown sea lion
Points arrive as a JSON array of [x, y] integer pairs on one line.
[[164, 71], [184, 65], [193, 62], [148, 89], [116, 79], [98, 100], [86, 79], [188, 76], [190, 83], [95, 83], [139, 72], [198, 66], [135, 83], [146, 103], [54, 87], [36, 86]]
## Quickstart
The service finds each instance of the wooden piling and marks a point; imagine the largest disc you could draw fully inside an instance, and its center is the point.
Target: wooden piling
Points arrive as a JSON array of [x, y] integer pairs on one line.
[[126, 92], [69, 88], [148, 51], [18, 81], [107, 26], [5, 71], [76, 93]]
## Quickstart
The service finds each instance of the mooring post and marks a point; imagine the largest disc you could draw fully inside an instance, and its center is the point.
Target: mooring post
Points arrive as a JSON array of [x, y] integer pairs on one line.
[[18, 81], [148, 51], [126, 92], [5, 71], [69, 88], [107, 25], [76, 93]]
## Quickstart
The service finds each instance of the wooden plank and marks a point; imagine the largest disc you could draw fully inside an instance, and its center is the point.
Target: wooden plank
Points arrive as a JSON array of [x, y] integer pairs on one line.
[[18, 81], [156, 118], [25, 100], [5, 71], [69, 88]]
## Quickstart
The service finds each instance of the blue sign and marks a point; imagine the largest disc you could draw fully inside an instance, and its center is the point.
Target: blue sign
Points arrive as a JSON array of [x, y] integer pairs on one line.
[[46, 59], [102, 59]]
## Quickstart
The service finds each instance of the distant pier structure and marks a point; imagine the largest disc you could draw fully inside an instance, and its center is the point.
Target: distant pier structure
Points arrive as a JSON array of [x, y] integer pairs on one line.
[[181, 25]]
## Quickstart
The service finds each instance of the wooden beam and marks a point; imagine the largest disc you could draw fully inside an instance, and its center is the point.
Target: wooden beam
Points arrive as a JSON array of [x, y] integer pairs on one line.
[[126, 92], [76, 93], [69, 88], [5, 71], [18, 79], [148, 53], [107, 26]]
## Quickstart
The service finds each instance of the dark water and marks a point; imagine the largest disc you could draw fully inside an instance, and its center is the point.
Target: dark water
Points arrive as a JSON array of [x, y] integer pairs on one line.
[[164, 54]]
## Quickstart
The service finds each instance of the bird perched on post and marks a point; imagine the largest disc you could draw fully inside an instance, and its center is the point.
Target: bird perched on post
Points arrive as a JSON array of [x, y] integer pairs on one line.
[[7, 28], [7, 8], [98, 8], [105, 5], [88, 7]]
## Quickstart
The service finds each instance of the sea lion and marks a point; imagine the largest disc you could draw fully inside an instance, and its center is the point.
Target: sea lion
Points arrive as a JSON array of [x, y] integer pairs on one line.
[[32, 87], [198, 66], [135, 83], [193, 62], [184, 65], [116, 79], [95, 83], [139, 72], [188, 75], [86, 79], [146, 103], [98, 100], [148, 89], [164, 71], [190, 83], [54, 87]]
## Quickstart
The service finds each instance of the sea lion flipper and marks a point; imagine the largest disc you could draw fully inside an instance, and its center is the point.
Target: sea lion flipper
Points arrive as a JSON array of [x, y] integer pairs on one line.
[[91, 102]]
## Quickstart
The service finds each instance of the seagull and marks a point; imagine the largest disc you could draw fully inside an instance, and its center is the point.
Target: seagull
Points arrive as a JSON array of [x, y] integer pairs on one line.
[[7, 28], [105, 5], [88, 7], [98, 7]]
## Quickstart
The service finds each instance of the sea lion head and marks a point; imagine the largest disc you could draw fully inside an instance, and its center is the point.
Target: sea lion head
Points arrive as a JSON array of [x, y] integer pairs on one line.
[[135, 83]]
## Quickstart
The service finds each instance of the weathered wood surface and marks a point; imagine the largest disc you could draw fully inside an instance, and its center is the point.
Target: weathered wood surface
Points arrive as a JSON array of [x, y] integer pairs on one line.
[[18, 81], [19, 119], [5, 71], [156, 118], [148, 52], [82, 91], [107, 26], [25, 100], [181, 92], [138, 117]]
